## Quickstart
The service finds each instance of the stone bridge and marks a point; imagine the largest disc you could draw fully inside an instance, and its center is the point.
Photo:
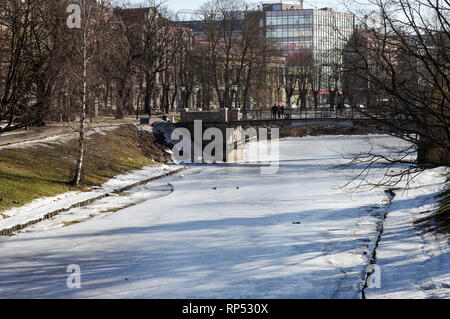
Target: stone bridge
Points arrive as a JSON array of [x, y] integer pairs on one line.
[[240, 121]]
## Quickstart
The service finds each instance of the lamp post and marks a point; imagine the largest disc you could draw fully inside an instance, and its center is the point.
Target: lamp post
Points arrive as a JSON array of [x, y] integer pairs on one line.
[[183, 99], [197, 89], [138, 102], [224, 100], [235, 89]]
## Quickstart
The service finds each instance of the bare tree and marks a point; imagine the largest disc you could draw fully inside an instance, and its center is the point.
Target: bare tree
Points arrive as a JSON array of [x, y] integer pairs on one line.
[[178, 42], [234, 51], [152, 45], [31, 56], [316, 83], [290, 84], [86, 45], [256, 57], [305, 75], [221, 22], [298, 77], [401, 61]]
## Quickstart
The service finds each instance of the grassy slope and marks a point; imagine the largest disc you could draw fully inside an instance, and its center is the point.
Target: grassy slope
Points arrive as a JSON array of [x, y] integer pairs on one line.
[[33, 172]]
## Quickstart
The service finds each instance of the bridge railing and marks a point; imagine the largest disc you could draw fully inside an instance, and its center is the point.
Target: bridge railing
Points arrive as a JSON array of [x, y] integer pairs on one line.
[[326, 113], [320, 113]]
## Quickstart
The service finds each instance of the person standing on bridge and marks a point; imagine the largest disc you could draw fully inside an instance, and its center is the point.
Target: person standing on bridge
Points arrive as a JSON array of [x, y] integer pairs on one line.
[[279, 111], [282, 112], [274, 111]]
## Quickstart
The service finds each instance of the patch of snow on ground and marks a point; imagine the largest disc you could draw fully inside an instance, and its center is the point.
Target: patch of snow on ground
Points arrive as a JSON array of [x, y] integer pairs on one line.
[[414, 262], [42, 206]]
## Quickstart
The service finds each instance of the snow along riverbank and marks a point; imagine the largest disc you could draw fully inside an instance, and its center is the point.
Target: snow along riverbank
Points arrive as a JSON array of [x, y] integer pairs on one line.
[[222, 231], [47, 207], [414, 262]]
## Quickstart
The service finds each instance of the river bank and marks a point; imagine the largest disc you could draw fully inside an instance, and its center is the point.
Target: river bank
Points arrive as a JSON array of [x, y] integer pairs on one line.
[[43, 168]]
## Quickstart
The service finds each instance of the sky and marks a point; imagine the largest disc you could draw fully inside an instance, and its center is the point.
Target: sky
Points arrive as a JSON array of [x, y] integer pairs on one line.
[[194, 4], [177, 5]]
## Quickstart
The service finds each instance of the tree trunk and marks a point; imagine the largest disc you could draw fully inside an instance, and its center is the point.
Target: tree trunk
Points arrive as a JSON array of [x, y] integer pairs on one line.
[[77, 178], [138, 100], [173, 99], [148, 94], [303, 98], [316, 99], [289, 98]]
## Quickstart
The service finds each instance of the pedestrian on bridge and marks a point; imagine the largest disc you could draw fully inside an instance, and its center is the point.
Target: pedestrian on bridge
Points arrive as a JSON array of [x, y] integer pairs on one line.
[[274, 111]]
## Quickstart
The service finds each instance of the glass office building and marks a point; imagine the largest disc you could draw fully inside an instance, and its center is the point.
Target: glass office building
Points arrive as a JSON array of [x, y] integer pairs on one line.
[[305, 37], [292, 32], [314, 36]]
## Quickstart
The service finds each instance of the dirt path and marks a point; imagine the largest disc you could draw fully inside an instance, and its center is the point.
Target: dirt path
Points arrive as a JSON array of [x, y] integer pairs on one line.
[[35, 133], [55, 129]]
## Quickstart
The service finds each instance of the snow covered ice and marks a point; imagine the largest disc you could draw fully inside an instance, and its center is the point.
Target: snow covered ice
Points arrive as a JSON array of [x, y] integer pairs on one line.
[[414, 262], [222, 231]]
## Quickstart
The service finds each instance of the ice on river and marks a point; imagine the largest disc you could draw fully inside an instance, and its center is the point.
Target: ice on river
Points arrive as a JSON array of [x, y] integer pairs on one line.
[[215, 232]]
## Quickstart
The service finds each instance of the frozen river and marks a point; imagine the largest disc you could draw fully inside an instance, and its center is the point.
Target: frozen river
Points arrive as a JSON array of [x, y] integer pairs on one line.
[[215, 232]]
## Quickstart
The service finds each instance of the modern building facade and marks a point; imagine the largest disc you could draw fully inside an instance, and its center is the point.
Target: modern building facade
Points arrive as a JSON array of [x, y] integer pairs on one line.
[[310, 40], [310, 36]]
